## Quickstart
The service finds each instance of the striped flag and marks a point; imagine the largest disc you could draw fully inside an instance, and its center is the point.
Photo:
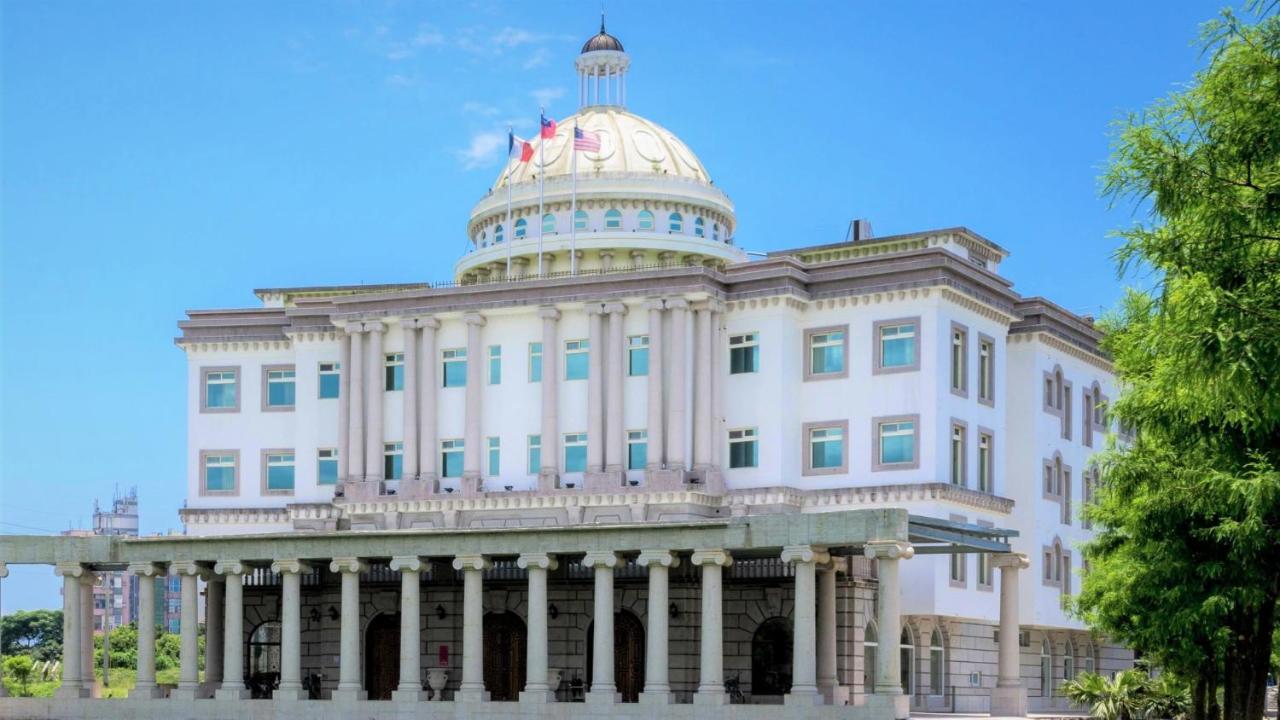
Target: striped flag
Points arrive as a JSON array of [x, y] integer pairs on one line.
[[585, 140], [518, 149]]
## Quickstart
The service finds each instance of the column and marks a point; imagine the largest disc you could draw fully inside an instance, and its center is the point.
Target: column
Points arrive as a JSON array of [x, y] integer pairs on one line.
[[72, 679], [716, 360], [616, 437], [344, 405], [677, 402], [536, 688], [355, 442], [188, 574], [657, 686], [410, 687], [828, 682], [428, 424], [145, 686], [549, 475], [711, 650], [654, 456], [87, 582], [471, 454], [888, 686], [702, 387], [410, 399], [375, 380], [804, 675], [1009, 696], [214, 594], [4, 573], [233, 685], [349, 687], [472, 686], [595, 389], [290, 571], [603, 688]]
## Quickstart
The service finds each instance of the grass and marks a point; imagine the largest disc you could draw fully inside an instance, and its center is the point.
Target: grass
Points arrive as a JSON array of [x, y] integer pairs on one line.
[[123, 680]]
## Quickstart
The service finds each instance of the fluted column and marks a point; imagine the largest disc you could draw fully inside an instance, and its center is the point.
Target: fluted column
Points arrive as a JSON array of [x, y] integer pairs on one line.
[[344, 406], [702, 387], [828, 673], [214, 595], [711, 647], [374, 389], [428, 423], [595, 389], [72, 680], [410, 687], [233, 685], [616, 429], [549, 473], [888, 685], [87, 582], [804, 675], [536, 687], [716, 360], [349, 687], [410, 400], [290, 571], [472, 686], [657, 685], [145, 686], [471, 454], [654, 449], [1009, 696], [188, 574], [603, 688], [356, 383], [677, 397], [4, 573]]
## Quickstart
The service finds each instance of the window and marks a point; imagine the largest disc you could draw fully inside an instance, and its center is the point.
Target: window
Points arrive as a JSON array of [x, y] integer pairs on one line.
[[675, 223], [580, 220], [958, 567], [495, 364], [986, 468], [937, 670], [637, 449], [699, 229], [826, 448], [220, 390], [986, 370], [392, 460], [1046, 669], [497, 235], [906, 657], [896, 444], [535, 454], [575, 452], [326, 466], [638, 355], [522, 228], [548, 223], [870, 644], [1087, 407], [279, 393], [451, 458], [1066, 411], [330, 380], [613, 220], [743, 450], [1069, 661], [220, 474], [394, 371], [264, 649], [495, 456], [1088, 481], [715, 231], [744, 353], [455, 367], [959, 360], [984, 570], [279, 472], [645, 220], [826, 352], [535, 362], [957, 453], [576, 361], [896, 349]]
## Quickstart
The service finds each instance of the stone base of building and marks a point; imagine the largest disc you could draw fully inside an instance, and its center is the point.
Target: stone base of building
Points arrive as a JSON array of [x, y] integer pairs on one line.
[[417, 488], [409, 696], [1009, 702], [231, 694], [604, 480], [349, 696], [359, 490]]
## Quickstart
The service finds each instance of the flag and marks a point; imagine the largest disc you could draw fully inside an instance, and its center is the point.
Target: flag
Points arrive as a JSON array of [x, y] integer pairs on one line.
[[585, 140], [548, 128], [518, 149]]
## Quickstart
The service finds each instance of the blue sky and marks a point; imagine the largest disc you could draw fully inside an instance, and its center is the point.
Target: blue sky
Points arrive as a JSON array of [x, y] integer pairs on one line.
[[163, 157]]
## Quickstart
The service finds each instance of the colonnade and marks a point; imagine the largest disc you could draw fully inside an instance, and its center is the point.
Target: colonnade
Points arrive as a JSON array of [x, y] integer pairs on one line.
[[603, 83]]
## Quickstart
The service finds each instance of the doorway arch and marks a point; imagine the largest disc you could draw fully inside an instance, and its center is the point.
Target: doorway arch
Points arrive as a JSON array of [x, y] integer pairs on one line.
[[505, 640], [628, 655], [771, 658], [382, 656]]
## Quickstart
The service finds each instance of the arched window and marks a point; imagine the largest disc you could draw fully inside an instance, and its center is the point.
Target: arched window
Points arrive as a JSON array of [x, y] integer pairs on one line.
[[580, 220], [1046, 669], [522, 228], [1088, 658], [497, 235], [484, 239], [264, 654], [1069, 661], [937, 666], [771, 658], [645, 220], [613, 220], [548, 223], [870, 643], [906, 656], [675, 222], [699, 228], [715, 231]]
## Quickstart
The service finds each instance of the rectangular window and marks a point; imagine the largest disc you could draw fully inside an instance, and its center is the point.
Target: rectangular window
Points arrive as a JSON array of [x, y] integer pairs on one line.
[[637, 449], [221, 391], [1049, 393], [896, 345], [535, 362], [394, 372], [986, 468], [638, 355], [897, 443], [1066, 411], [958, 567], [984, 570], [455, 367], [826, 352], [495, 364], [957, 454], [451, 458], [280, 388], [279, 472], [743, 450], [1086, 427], [744, 353], [219, 472], [986, 370], [495, 456], [959, 359], [535, 454], [392, 461], [330, 380], [326, 466], [576, 361], [826, 448], [575, 452]]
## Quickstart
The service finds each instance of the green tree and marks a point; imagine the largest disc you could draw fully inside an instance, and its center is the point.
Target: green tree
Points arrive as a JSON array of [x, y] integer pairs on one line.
[[19, 667], [1186, 565], [32, 632]]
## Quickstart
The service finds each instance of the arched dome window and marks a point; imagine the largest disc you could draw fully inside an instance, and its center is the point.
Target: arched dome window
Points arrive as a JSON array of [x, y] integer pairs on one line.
[[676, 222], [937, 664], [484, 239], [548, 223], [580, 220], [699, 229], [613, 220], [497, 235], [870, 644], [715, 232], [522, 228], [645, 220]]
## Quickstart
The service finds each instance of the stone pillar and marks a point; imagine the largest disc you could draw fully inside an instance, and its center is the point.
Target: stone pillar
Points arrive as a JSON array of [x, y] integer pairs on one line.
[[87, 582], [233, 685], [73, 685], [4, 573], [472, 686], [214, 595], [355, 442], [677, 398], [188, 574], [410, 687], [828, 628], [711, 650], [374, 389], [888, 686], [410, 401], [549, 473], [603, 688], [428, 422], [349, 686], [702, 388], [290, 571], [1009, 696], [804, 675], [654, 456], [471, 451], [716, 360], [657, 686], [344, 406], [536, 689], [595, 389], [616, 429], [145, 686]]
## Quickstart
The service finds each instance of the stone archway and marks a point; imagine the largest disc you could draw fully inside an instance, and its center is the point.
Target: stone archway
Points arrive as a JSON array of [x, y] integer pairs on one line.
[[505, 642], [382, 656], [771, 658], [628, 655]]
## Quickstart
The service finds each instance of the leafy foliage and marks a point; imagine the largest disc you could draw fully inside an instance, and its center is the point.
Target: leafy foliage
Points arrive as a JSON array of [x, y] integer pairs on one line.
[[37, 633], [1132, 695]]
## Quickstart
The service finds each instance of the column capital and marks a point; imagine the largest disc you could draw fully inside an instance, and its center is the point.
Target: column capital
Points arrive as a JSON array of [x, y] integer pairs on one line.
[[677, 303], [471, 562], [548, 312], [606, 252], [374, 326], [711, 557], [189, 567], [665, 558], [473, 318], [538, 560], [291, 566], [594, 308], [409, 323], [1017, 561], [147, 569], [231, 567], [889, 549], [600, 559], [4, 569], [353, 327], [655, 304], [615, 308], [805, 554], [429, 322], [709, 305], [408, 563], [347, 565]]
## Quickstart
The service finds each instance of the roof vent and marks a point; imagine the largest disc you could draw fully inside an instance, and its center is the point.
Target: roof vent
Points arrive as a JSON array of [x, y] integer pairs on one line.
[[859, 231]]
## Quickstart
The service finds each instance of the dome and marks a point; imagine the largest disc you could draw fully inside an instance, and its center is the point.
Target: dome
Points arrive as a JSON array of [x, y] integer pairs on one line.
[[628, 144], [602, 41]]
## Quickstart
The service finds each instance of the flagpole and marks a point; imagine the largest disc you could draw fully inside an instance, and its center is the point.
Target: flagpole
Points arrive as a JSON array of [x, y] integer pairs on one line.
[[542, 171], [573, 207], [511, 231]]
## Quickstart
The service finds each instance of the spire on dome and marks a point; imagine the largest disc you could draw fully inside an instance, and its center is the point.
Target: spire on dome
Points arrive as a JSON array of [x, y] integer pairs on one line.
[[602, 69]]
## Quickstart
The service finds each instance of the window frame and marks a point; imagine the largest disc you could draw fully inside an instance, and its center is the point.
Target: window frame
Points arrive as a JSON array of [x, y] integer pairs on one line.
[[452, 445], [533, 442], [582, 347], [877, 345], [204, 388], [986, 481], [493, 456], [265, 466], [637, 437], [320, 457], [675, 223], [987, 370], [613, 215], [958, 342], [584, 217], [962, 478], [699, 227], [235, 473], [806, 443], [521, 229], [389, 450], [321, 373], [535, 355], [986, 580], [632, 349], [266, 387], [876, 423], [565, 444], [748, 341], [646, 215], [958, 563], [493, 363], [551, 218], [752, 439], [809, 333], [446, 358], [391, 377]]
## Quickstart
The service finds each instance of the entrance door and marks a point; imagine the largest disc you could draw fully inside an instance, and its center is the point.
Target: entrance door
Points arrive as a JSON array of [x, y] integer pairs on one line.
[[771, 658], [382, 656], [628, 655], [505, 638]]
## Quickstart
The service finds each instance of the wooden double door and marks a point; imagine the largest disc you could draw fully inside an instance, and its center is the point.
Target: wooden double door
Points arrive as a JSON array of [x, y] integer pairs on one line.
[[628, 655], [382, 656], [505, 655]]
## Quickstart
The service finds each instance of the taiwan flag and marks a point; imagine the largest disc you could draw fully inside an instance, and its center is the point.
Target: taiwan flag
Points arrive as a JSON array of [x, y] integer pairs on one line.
[[518, 149], [548, 128]]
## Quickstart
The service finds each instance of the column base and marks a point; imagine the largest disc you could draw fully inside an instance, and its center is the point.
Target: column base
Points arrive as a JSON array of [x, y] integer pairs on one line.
[[146, 691], [289, 695], [410, 695], [603, 697], [362, 489], [548, 480], [423, 486], [181, 693], [471, 696], [1009, 701], [604, 480], [896, 703], [230, 693], [668, 479], [208, 688], [537, 697], [712, 698], [804, 697], [349, 696], [657, 697], [72, 692], [471, 485]]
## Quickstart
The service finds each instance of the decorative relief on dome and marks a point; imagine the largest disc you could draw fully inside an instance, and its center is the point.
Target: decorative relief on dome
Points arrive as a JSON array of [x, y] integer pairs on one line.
[[648, 147], [553, 150], [684, 155], [608, 146]]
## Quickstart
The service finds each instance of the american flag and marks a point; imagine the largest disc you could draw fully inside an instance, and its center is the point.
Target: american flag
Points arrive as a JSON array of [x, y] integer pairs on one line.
[[584, 140]]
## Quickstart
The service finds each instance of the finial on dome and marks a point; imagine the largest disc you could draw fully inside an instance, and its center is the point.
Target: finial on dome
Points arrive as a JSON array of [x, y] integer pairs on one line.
[[602, 32]]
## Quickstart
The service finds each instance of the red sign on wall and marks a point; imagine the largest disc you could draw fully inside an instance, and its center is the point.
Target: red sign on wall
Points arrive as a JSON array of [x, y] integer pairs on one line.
[[444, 656]]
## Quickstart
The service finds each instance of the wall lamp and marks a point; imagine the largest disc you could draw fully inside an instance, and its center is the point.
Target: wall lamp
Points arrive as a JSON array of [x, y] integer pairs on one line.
[[673, 610], [440, 613], [553, 611]]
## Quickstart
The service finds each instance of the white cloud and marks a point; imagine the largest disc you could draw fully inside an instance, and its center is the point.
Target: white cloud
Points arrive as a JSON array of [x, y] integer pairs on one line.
[[485, 150], [537, 59], [544, 96]]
